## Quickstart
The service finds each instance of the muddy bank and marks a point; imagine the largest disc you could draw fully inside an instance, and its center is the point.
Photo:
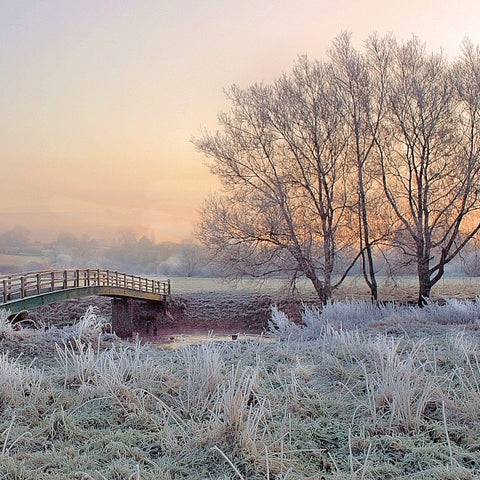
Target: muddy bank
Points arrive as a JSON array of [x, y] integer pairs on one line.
[[193, 312], [220, 311]]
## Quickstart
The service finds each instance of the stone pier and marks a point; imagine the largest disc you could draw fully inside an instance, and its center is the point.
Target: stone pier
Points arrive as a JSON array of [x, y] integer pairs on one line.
[[131, 317]]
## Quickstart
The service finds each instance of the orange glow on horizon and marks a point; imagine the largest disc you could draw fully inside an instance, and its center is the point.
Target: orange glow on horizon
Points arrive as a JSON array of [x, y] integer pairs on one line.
[[100, 99]]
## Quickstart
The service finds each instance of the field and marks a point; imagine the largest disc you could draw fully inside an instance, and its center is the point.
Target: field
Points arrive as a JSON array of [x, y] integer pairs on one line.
[[401, 288], [22, 260], [357, 392]]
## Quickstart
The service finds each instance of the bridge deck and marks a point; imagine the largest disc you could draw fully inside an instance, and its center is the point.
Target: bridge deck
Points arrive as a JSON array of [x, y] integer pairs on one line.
[[32, 289]]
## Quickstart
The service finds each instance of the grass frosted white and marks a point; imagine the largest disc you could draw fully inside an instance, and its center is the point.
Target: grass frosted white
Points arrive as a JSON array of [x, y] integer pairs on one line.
[[90, 325], [204, 371], [400, 381], [18, 381], [336, 400], [353, 313]]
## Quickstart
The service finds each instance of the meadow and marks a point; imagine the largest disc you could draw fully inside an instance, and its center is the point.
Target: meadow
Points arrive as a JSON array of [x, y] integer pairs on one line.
[[23, 261], [400, 288], [355, 392]]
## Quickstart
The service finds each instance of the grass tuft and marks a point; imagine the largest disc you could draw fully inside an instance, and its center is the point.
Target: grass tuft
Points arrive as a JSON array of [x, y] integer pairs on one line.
[[6, 327]]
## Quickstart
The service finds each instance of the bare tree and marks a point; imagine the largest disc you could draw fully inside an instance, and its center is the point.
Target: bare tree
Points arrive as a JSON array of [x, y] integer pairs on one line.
[[192, 258], [361, 86], [282, 156], [429, 158]]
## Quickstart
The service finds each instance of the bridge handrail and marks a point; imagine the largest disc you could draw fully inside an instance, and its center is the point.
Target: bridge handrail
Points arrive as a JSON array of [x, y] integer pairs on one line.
[[27, 284]]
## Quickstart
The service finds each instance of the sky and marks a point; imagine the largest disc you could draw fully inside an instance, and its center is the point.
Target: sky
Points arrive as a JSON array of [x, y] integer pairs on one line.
[[100, 99]]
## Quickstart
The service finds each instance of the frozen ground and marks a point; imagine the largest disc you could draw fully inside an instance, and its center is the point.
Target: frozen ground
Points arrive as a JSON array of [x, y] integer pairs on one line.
[[396, 398]]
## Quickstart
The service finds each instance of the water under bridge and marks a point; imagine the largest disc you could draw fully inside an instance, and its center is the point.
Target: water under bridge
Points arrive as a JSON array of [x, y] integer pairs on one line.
[[22, 291]]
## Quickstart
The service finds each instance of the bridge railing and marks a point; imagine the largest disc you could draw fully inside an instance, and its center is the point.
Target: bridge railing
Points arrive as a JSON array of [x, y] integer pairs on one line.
[[23, 285]]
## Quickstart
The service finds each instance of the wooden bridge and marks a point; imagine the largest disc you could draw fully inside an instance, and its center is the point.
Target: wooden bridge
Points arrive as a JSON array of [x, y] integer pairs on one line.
[[22, 291]]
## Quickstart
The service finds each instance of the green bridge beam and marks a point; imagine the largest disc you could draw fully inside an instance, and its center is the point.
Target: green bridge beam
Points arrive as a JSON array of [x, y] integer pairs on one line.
[[18, 305]]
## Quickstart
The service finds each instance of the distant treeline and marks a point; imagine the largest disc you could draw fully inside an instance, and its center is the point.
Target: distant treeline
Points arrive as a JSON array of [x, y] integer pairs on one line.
[[133, 254], [126, 253]]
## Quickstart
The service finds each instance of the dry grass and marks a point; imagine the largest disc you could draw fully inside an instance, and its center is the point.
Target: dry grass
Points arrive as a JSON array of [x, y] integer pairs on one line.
[[323, 402]]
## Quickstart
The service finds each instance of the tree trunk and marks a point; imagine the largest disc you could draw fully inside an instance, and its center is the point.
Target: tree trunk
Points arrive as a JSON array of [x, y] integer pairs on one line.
[[367, 263], [323, 291], [369, 274], [424, 281]]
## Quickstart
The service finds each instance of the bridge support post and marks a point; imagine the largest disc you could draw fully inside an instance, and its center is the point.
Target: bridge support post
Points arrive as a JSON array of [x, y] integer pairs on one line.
[[122, 317], [132, 316]]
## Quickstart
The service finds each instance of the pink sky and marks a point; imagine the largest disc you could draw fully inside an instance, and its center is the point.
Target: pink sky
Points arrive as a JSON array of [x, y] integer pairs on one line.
[[100, 98]]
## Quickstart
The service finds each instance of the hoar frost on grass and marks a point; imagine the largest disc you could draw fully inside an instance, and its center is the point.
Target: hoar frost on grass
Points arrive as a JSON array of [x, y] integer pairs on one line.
[[88, 328], [333, 404], [6, 327], [19, 381], [350, 314]]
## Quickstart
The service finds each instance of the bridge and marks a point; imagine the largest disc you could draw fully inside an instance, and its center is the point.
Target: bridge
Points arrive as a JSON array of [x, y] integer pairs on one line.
[[23, 291]]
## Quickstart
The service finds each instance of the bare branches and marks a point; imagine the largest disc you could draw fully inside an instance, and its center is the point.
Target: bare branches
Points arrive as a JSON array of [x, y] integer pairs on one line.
[[282, 158], [430, 167], [320, 168]]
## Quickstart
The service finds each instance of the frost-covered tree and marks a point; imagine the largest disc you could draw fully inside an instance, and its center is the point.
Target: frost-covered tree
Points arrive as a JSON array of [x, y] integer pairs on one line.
[[429, 158], [282, 159], [361, 86], [337, 156]]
